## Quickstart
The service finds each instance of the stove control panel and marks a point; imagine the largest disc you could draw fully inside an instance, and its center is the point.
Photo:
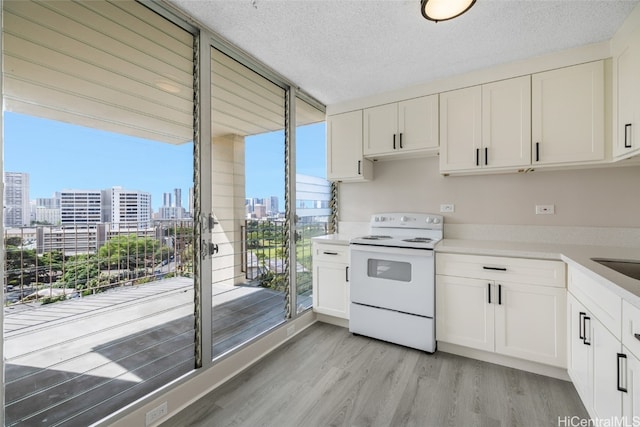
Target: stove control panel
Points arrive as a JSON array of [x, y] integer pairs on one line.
[[408, 220]]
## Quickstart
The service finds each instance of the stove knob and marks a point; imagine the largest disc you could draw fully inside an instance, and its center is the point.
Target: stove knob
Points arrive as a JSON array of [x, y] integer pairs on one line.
[[436, 220], [430, 220], [404, 218]]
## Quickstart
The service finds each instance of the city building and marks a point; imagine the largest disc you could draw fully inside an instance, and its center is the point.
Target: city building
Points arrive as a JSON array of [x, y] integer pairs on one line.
[[17, 212], [312, 199], [129, 209], [81, 207]]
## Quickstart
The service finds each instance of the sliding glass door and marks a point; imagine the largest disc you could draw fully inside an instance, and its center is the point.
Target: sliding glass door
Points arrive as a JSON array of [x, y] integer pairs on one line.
[[98, 232], [248, 203]]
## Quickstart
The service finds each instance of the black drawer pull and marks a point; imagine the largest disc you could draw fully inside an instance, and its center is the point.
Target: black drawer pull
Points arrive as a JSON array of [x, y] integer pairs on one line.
[[584, 327], [394, 141], [359, 162], [347, 273], [401, 140], [489, 291], [581, 325], [620, 373], [330, 253], [486, 156], [477, 157], [499, 294], [627, 135], [537, 151], [495, 268]]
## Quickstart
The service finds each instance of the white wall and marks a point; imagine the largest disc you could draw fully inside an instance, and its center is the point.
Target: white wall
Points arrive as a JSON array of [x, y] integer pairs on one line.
[[603, 197]]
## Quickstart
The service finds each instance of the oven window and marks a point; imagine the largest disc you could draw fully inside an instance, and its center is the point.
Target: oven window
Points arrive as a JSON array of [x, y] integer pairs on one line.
[[390, 270]]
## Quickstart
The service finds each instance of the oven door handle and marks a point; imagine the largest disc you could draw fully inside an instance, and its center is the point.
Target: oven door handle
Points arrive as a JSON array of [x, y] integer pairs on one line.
[[427, 253]]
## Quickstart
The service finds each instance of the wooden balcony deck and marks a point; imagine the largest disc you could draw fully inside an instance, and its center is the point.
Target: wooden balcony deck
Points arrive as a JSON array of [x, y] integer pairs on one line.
[[77, 361]]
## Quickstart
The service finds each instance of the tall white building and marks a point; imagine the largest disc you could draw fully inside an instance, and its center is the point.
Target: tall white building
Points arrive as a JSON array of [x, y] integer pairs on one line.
[[129, 209], [17, 212], [81, 206]]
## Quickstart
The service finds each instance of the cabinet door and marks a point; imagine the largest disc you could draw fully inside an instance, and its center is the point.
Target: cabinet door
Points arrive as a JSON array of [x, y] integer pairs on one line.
[[464, 315], [626, 72], [344, 148], [530, 322], [506, 123], [631, 399], [381, 129], [331, 289], [418, 124], [579, 358], [607, 400], [568, 114], [460, 129]]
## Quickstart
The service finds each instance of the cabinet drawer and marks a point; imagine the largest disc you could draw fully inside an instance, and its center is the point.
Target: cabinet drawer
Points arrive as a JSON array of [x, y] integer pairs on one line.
[[517, 270], [331, 253], [631, 327], [600, 301]]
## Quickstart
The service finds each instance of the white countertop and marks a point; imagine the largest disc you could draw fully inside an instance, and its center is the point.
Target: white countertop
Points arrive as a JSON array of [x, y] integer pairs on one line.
[[334, 239], [578, 256]]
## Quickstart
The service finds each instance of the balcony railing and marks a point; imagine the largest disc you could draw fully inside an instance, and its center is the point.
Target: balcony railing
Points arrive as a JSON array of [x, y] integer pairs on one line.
[[49, 263], [263, 252]]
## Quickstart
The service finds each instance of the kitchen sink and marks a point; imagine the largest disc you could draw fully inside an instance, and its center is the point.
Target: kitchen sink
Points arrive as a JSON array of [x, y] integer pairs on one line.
[[630, 268]]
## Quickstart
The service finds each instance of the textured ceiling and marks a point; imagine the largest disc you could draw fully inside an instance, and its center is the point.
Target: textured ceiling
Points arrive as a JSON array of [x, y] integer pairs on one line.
[[338, 50]]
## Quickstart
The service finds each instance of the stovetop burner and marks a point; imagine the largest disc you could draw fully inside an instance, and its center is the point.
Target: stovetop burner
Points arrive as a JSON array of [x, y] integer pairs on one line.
[[418, 240], [376, 237]]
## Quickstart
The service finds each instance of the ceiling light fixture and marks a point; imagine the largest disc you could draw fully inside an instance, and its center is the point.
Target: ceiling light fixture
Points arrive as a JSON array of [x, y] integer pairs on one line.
[[442, 10]]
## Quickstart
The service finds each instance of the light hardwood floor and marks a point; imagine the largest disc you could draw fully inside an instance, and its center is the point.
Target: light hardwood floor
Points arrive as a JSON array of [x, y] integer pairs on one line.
[[328, 377]]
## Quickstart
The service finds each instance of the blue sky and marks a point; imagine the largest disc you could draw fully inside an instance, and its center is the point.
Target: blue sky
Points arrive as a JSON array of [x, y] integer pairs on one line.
[[61, 156]]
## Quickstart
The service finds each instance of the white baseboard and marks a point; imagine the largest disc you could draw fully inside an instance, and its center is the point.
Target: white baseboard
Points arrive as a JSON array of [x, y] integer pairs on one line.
[[499, 359]]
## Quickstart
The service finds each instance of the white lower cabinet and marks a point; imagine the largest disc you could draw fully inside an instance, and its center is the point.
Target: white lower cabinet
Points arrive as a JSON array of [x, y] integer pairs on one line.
[[521, 320], [331, 279], [605, 372], [631, 399]]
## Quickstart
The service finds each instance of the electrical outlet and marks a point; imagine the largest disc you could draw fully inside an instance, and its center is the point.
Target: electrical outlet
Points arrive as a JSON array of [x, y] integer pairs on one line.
[[545, 209], [449, 207], [156, 413]]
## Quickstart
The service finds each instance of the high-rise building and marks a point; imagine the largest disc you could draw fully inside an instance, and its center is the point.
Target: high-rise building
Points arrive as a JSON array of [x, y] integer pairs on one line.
[[82, 206], [178, 193], [166, 199], [272, 205], [191, 201], [130, 209], [17, 211]]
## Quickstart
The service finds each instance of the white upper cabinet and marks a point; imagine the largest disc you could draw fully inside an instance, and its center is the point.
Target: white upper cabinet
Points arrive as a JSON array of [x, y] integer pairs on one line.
[[626, 72], [568, 115], [506, 123], [460, 129], [402, 128], [486, 127], [345, 161]]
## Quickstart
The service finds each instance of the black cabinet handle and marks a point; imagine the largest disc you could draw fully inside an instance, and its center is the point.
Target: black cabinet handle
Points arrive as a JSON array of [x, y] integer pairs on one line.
[[495, 268], [477, 157], [584, 326], [394, 141], [627, 132], [637, 336], [620, 373], [486, 156], [489, 291], [330, 253], [346, 273], [359, 162], [499, 294], [581, 325], [537, 151], [401, 140]]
